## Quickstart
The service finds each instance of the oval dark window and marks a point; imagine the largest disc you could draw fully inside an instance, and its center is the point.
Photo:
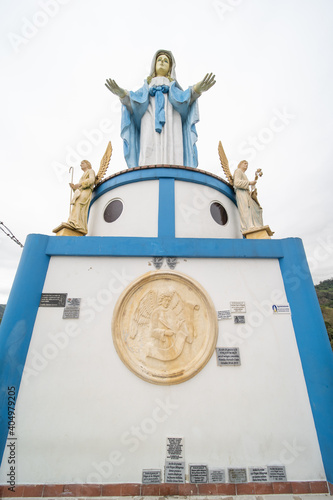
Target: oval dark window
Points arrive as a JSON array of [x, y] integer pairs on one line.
[[219, 213], [113, 211]]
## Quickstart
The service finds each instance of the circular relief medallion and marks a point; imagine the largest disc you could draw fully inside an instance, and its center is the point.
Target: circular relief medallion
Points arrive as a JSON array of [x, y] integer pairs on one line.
[[165, 327]]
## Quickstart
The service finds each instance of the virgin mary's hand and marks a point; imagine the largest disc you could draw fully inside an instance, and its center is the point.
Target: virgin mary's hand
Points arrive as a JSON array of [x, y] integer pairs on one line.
[[115, 89], [205, 84]]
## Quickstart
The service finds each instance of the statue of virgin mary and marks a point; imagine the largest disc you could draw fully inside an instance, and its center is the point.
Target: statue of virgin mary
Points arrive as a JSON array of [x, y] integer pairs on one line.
[[158, 120]]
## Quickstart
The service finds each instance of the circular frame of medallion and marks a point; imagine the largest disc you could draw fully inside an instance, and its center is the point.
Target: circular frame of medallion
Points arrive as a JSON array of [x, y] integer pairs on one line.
[[164, 327]]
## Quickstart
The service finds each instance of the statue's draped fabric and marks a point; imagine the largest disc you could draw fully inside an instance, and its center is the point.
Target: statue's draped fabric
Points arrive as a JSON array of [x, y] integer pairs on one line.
[[250, 212], [149, 141], [81, 201]]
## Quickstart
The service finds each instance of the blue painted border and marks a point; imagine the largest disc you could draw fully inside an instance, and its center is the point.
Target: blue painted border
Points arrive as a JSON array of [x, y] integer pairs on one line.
[[314, 347], [18, 321], [148, 174], [166, 208], [313, 344]]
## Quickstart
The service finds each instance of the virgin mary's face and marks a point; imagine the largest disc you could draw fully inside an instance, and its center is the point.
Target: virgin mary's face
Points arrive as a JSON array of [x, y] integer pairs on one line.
[[162, 65]]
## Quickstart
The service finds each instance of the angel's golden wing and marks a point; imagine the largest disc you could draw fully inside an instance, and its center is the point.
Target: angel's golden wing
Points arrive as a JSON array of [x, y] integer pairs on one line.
[[104, 163], [225, 163]]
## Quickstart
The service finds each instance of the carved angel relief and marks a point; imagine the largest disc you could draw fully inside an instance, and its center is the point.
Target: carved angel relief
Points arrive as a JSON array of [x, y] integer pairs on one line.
[[169, 322], [164, 327]]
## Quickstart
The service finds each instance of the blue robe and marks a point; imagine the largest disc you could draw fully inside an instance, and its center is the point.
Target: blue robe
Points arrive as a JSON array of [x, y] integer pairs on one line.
[[181, 101]]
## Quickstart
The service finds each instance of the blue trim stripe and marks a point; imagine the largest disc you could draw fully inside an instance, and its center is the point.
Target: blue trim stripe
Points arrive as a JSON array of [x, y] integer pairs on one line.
[[18, 321], [164, 246], [313, 344], [166, 208], [148, 174]]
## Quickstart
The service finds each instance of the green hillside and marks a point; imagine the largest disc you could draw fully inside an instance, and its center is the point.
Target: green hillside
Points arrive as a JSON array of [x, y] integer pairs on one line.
[[325, 296]]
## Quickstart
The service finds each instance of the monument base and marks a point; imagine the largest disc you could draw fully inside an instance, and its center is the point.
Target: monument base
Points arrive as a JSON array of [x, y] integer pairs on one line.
[[65, 229], [258, 233]]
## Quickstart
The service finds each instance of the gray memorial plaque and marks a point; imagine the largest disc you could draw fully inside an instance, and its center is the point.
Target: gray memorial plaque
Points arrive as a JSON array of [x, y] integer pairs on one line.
[[237, 307], [258, 474], [71, 313], [239, 320], [237, 475], [216, 475], [198, 473], [277, 473], [226, 314], [151, 476], [73, 302], [175, 448], [174, 471], [228, 356], [53, 300]]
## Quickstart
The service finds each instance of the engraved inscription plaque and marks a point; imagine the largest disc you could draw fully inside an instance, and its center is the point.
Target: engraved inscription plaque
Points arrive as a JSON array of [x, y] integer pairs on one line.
[[216, 475], [175, 448], [228, 356], [53, 300], [164, 327], [151, 476], [237, 307], [198, 473], [277, 473], [237, 475], [258, 474], [226, 314], [174, 471]]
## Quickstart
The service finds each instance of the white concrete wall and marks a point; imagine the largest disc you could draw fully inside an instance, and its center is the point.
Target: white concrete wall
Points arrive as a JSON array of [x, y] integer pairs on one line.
[[82, 416], [140, 211], [193, 217]]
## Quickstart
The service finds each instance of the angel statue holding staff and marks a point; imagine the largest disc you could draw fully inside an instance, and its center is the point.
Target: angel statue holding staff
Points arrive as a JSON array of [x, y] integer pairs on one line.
[[158, 120]]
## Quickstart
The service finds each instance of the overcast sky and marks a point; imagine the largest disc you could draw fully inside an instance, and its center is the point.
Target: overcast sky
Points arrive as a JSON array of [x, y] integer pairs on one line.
[[271, 105]]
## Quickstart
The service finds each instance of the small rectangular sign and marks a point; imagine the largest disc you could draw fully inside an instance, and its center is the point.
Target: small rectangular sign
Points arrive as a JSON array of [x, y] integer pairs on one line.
[[225, 314], [151, 476], [174, 471], [239, 320], [237, 307], [73, 302], [281, 309], [198, 473], [258, 474], [237, 475], [228, 356], [175, 448], [53, 300], [71, 313], [216, 475], [277, 473]]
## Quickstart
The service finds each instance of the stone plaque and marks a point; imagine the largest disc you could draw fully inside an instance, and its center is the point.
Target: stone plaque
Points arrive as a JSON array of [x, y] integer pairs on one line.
[[237, 475], [174, 471], [258, 474], [198, 473], [151, 476], [53, 300], [73, 302], [281, 309], [239, 320], [71, 313], [216, 475], [228, 356], [277, 473], [164, 327], [226, 314], [175, 447], [237, 307]]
